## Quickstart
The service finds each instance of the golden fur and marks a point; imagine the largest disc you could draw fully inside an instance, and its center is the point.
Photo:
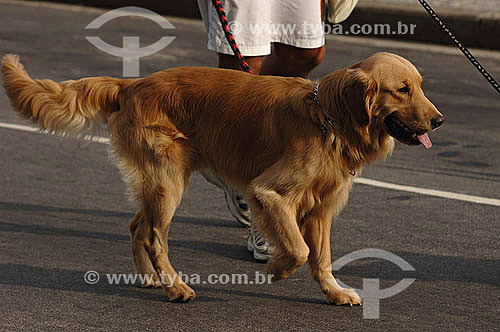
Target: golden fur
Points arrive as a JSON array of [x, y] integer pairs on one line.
[[260, 134]]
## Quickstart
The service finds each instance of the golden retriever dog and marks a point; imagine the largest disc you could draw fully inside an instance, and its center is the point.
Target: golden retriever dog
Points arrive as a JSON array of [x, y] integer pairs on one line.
[[290, 145]]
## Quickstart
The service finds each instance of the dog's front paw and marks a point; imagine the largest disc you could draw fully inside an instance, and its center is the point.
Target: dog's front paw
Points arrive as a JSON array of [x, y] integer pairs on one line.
[[180, 292], [345, 296], [283, 266], [153, 282], [277, 270]]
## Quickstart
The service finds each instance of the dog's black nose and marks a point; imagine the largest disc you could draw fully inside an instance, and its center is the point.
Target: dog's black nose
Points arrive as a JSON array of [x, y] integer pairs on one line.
[[437, 122]]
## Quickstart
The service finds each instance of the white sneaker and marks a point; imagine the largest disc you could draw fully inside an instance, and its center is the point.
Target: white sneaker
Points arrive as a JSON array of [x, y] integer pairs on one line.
[[234, 201], [238, 207], [257, 243], [240, 210]]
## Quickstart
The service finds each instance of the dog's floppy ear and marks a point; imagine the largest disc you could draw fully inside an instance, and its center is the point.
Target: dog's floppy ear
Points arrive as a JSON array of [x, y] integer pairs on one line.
[[358, 92]]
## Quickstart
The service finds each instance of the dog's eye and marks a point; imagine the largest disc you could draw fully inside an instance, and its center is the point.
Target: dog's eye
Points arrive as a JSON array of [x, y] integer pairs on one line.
[[404, 90]]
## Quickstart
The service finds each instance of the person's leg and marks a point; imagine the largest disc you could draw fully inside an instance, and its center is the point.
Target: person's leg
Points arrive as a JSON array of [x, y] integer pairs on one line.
[[286, 60], [229, 61]]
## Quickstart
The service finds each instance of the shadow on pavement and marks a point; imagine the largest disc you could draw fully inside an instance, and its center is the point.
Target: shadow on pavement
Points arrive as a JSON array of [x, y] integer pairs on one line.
[[11, 206], [66, 280], [429, 268], [232, 251], [24, 207]]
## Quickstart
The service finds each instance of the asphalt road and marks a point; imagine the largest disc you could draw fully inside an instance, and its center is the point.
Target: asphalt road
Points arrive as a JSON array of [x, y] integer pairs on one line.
[[63, 211]]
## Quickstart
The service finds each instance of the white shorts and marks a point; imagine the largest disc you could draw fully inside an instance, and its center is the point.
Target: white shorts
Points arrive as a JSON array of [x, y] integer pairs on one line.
[[258, 23]]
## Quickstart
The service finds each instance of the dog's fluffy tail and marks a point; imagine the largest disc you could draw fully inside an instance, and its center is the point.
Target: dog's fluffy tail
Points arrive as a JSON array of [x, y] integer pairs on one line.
[[70, 108]]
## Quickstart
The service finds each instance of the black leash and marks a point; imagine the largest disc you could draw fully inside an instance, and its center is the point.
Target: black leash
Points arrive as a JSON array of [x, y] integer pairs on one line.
[[462, 48], [244, 65]]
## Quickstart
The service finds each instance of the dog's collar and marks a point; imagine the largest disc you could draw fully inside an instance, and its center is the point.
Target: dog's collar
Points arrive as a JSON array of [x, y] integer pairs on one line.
[[329, 121]]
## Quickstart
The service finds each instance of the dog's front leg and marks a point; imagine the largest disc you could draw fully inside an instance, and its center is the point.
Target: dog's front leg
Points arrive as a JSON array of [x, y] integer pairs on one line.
[[276, 218], [316, 229]]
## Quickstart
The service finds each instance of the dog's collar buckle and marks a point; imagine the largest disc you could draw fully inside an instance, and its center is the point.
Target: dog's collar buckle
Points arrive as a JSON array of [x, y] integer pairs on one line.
[[315, 93], [324, 129]]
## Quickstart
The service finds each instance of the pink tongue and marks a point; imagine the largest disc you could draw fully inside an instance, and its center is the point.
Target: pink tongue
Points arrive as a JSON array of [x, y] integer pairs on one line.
[[425, 140]]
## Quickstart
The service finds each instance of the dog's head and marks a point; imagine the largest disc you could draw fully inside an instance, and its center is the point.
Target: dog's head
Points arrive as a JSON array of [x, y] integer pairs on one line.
[[383, 93]]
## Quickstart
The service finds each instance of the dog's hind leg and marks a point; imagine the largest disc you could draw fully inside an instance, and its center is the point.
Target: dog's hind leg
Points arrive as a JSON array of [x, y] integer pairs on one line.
[[155, 163], [160, 195], [139, 232]]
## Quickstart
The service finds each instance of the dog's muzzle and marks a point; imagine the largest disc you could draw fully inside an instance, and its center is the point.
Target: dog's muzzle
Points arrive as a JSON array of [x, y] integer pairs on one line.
[[400, 131]]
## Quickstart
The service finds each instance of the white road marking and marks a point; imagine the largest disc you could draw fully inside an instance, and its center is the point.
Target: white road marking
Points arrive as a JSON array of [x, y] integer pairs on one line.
[[429, 192], [6, 125], [365, 181], [18, 127]]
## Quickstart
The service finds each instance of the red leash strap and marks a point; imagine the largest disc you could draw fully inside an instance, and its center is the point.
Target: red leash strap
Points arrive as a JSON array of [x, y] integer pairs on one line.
[[229, 36]]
